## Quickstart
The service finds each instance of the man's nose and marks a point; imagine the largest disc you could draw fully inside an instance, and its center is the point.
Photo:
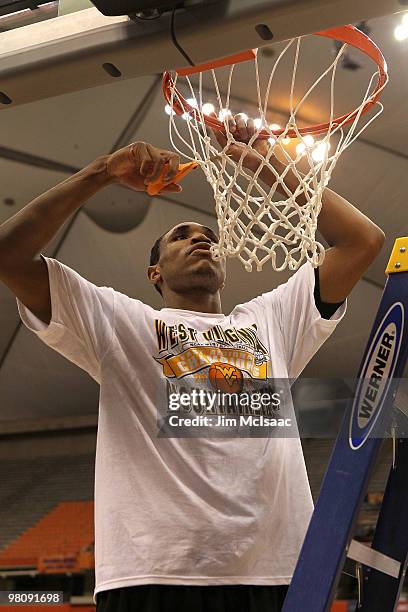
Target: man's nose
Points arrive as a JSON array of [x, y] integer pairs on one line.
[[199, 237]]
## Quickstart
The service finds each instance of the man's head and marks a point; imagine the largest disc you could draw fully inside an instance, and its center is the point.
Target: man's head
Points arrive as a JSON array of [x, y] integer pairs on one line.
[[180, 261]]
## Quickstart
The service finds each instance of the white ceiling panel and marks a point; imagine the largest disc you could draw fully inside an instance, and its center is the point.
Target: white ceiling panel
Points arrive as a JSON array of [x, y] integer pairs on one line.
[[75, 128], [35, 381], [21, 184], [376, 182]]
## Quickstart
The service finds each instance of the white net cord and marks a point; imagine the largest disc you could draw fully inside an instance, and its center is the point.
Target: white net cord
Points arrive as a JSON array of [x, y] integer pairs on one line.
[[275, 220]]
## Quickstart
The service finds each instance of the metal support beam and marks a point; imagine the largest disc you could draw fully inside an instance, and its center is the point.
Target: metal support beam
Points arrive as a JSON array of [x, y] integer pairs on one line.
[[71, 52]]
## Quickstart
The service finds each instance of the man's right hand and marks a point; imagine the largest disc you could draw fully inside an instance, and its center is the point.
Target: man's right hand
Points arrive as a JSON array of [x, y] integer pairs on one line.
[[141, 163]]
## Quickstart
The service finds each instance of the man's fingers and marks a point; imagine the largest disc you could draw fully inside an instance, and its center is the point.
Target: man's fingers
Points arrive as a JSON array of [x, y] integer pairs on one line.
[[156, 170], [146, 167], [173, 166], [154, 164], [241, 123], [163, 163], [147, 161], [221, 138], [232, 126], [250, 128]]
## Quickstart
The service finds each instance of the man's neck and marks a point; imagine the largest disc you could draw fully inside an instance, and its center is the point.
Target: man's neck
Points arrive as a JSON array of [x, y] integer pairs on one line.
[[200, 302]]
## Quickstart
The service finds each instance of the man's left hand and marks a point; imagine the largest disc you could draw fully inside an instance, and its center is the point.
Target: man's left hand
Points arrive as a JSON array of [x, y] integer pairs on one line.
[[243, 129]]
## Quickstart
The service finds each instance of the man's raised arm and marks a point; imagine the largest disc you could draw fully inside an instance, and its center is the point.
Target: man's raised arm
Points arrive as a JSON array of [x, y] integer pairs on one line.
[[25, 234]]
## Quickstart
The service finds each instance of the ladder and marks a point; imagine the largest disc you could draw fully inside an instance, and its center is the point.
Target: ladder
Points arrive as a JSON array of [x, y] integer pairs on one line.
[[367, 419]]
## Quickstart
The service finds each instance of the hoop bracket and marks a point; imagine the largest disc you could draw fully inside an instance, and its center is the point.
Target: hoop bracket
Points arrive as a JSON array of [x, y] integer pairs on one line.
[[237, 58]]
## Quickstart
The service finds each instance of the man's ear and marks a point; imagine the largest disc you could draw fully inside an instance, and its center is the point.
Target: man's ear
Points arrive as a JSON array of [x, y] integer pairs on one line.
[[153, 273]]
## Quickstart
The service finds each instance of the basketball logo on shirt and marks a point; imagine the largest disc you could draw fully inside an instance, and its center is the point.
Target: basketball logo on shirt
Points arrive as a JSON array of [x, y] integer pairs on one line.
[[223, 356], [225, 377]]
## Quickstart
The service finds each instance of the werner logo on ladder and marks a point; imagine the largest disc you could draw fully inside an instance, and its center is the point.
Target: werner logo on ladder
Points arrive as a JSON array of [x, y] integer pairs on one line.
[[376, 377]]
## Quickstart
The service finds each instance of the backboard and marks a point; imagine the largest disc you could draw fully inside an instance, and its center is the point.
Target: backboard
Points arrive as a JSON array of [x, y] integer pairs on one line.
[[72, 51]]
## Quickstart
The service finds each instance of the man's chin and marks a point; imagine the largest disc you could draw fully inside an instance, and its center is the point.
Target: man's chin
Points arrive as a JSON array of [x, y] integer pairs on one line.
[[203, 274], [204, 260]]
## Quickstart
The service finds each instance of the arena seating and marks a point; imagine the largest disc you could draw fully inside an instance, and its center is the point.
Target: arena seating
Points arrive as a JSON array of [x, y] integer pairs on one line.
[[54, 543], [32, 488]]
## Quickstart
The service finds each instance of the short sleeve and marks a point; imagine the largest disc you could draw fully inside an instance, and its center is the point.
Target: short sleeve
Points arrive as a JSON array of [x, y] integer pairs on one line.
[[302, 327], [82, 319]]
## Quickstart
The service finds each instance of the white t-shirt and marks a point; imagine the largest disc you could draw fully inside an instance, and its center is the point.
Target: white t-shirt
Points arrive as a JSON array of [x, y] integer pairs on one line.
[[188, 510]]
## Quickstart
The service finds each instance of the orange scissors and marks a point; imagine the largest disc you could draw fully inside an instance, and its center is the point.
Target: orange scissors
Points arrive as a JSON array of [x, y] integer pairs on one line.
[[156, 187]]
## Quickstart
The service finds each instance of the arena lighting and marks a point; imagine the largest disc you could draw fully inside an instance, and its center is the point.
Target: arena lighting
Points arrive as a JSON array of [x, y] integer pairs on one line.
[[320, 150], [308, 142], [224, 113], [401, 30], [192, 102], [208, 108]]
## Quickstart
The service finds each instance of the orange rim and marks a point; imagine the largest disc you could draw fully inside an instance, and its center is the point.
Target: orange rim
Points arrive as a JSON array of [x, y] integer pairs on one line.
[[346, 34]]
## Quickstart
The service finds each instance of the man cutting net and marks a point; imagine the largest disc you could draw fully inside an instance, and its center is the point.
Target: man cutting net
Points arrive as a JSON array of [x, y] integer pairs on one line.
[[185, 522]]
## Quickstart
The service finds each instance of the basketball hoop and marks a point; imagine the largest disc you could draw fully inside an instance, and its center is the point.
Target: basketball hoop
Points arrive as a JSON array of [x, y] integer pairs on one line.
[[256, 223]]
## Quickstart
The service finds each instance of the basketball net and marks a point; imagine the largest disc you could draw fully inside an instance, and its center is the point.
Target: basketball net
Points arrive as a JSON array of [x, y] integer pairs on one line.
[[257, 222]]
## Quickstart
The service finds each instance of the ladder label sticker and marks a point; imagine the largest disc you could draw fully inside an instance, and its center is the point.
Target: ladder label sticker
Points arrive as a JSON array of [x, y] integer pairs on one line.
[[376, 376]]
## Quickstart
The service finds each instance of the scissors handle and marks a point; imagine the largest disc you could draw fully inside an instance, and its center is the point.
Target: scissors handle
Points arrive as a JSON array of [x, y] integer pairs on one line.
[[156, 187]]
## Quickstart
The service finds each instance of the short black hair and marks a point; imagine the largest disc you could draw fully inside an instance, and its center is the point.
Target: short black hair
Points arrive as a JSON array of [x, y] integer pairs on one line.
[[155, 256], [155, 251]]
